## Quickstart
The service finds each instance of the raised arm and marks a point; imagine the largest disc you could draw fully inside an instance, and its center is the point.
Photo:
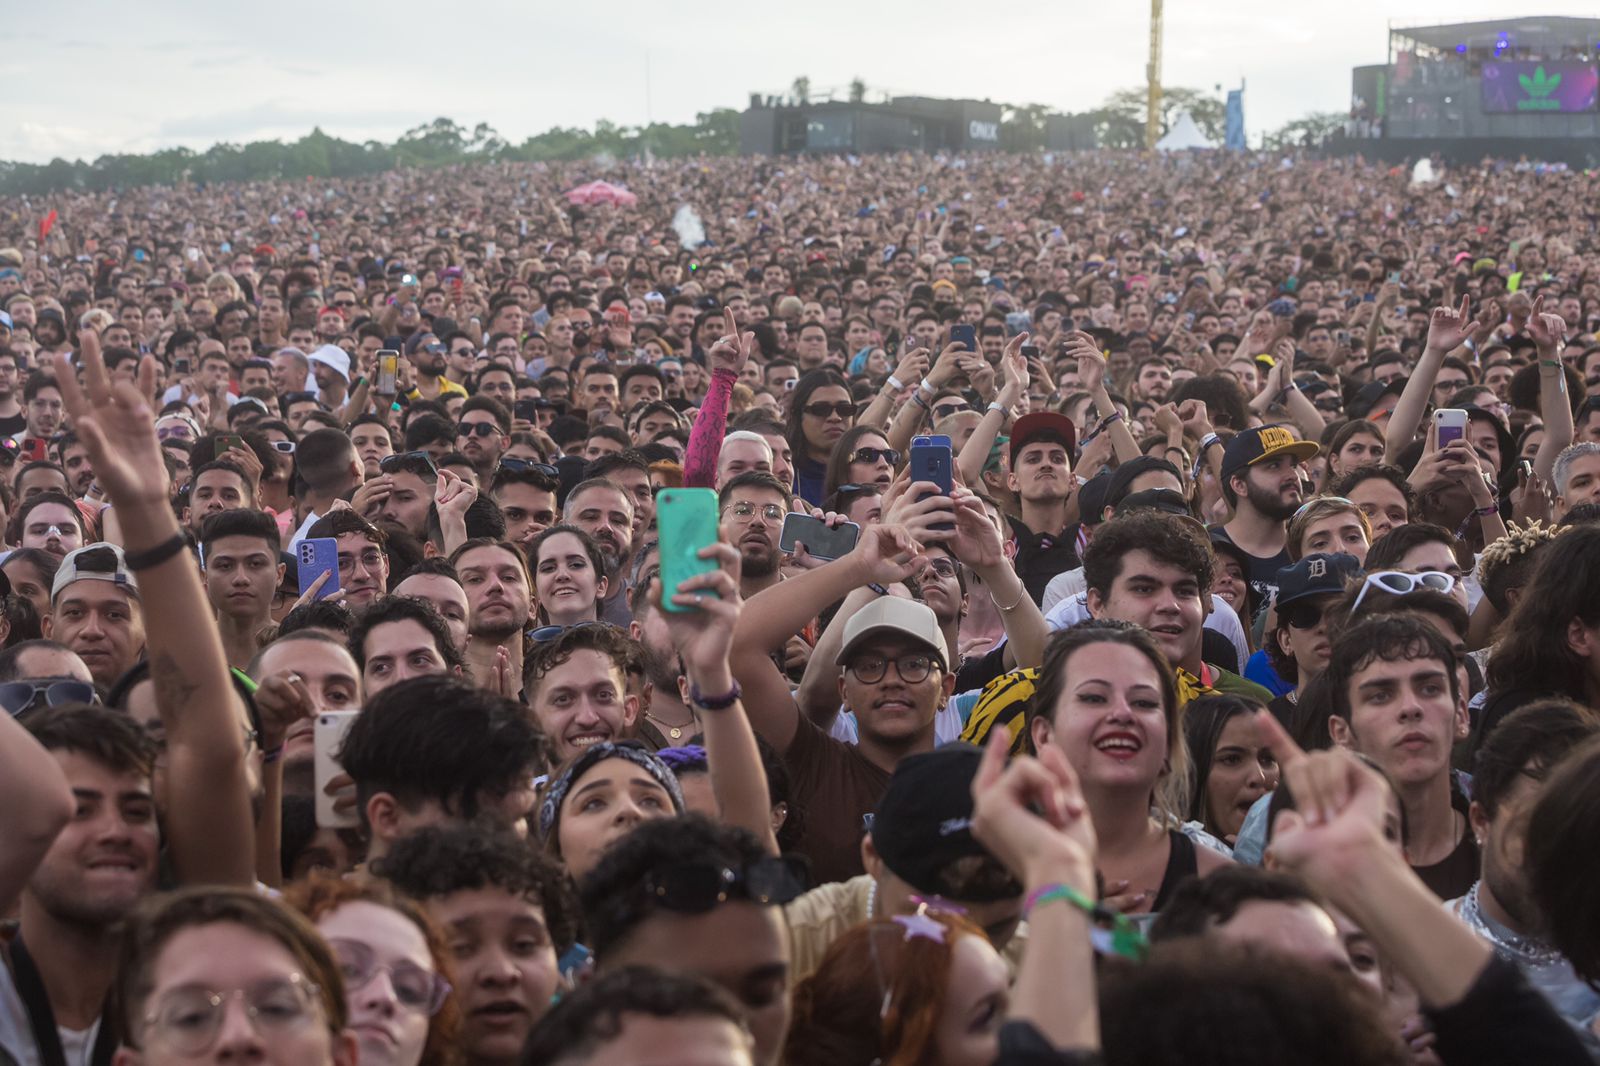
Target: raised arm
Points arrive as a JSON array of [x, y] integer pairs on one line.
[[209, 824], [1555, 408], [884, 554], [1092, 378], [703, 635], [1448, 329], [976, 542], [726, 359], [907, 374], [916, 409], [1013, 387], [37, 803]]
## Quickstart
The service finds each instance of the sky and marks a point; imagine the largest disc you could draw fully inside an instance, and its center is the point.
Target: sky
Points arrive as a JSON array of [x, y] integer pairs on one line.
[[84, 79]]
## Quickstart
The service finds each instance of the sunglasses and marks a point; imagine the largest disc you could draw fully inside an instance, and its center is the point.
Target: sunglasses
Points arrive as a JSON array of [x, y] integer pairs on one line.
[[823, 410], [20, 696], [511, 462], [1302, 615], [545, 634], [390, 463], [1403, 584], [477, 429], [945, 410], [284, 446], [872, 455], [696, 887]]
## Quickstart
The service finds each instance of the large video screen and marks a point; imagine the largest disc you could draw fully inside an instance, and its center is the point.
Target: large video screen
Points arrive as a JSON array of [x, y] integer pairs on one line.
[[1552, 86]]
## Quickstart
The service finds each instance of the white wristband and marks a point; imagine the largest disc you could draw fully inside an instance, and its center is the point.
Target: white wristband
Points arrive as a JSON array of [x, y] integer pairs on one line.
[[927, 387], [996, 405], [895, 383]]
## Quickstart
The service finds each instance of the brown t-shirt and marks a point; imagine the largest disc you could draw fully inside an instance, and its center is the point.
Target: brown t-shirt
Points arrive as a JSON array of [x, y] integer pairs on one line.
[[834, 785]]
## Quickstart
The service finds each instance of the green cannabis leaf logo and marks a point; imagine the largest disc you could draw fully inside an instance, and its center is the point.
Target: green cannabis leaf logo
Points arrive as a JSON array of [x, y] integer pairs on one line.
[[1541, 84]]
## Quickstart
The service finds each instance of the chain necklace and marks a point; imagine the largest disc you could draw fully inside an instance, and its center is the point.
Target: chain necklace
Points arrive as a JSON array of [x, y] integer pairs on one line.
[[1524, 949], [674, 732]]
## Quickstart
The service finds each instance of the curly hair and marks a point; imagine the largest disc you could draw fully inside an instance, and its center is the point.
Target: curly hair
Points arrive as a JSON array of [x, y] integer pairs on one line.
[[1168, 538], [441, 860]]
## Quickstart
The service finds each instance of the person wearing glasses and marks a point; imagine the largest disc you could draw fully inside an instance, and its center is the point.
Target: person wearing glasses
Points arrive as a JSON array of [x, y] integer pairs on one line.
[[393, 959], [819, 415], [363, 560], [1298, 648], [228, 974], [508, 917], [861, 457], [753, 506], [483, 431]]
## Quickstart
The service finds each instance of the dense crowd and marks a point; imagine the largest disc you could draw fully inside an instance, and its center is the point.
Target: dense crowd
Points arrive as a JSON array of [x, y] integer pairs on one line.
[[1145, 611]]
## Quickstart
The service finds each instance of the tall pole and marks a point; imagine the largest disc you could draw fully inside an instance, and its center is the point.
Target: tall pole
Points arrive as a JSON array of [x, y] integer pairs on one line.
[[1152, 106]]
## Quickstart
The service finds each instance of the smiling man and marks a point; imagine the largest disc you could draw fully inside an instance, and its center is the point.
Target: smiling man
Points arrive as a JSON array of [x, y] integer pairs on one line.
[[363, 562], [239, 550], [95, 610], [1155, 570], [577, 687]]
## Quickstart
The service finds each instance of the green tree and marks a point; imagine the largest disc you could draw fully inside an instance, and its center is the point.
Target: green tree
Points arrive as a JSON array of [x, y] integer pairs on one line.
[[1126, 107], [1313, 128]]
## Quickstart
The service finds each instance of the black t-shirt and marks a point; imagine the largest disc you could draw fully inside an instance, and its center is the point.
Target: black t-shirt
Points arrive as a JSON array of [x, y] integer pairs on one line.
[[1041, 556], [10, 427], [1263, 575]]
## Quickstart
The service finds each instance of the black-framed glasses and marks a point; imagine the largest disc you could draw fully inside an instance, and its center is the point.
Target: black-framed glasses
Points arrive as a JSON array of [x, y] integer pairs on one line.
[[843, 409], [913, 668], [545, 634], [1303, 615], [188, 1019], [390, 463], [694, 887], [511, 462], [416, 989], [479, 429], [18, 697], [955, 407], [872, 455]]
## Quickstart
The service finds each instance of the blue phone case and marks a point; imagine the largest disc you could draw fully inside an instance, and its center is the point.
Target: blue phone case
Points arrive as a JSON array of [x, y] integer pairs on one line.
[[313, 556], [931, 459], [686, 520]]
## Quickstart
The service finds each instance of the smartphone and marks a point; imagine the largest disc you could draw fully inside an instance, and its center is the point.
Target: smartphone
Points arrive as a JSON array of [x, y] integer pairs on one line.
[[408, 280], [1394, 277], [618, 316], [388, 369], [1450, 424], [931, 460], [965, 335], [1030, 351], [822, 541], [327, 738], [686, 521], [229, 440], [316, 556], [34, 450], [182, 364], [526, 410], [1524, 470]]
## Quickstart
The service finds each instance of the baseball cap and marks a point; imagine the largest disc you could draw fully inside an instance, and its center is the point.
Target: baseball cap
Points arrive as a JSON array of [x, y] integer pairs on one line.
[[333, 357], [1318, 574], [1092, 498], [1124, 475], [1369, 395], [1251, 446], [922, 828], [893, 614], [1167, 501], [96, 562], [1043, 425]]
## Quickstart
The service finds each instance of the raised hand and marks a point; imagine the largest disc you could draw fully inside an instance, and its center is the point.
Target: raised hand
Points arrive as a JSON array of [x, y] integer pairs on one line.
[[116, 424], [912, 368], [1547, 330], [1032, 815], [703, 634], [887, 553], [1451, 327], [733, 349], [1014, 374], [975, 541]]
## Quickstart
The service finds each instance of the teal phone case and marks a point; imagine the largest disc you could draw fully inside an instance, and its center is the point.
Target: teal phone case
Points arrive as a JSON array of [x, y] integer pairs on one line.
[[686, 520]]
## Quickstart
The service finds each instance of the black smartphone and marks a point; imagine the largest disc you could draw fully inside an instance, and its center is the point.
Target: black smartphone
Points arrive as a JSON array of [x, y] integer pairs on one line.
[[965, 335], [1030, 351], [526, 410], [181, 364], [822, 541]]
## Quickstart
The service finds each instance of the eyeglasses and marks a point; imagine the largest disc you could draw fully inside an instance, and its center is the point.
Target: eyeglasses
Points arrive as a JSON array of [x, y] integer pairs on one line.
[[344, 303], [284, 446], [477, 429], [770, 511], [870, 669], [370, 559], [1403, 584], [943, 567], [189, 1019], [18, 697], [697, 887], [390, 463], [843, 409], [415, 988], [511, 462], [872, 455]]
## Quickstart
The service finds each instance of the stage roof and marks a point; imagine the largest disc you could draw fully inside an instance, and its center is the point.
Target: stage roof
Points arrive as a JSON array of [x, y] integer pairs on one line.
[[1529, 30]]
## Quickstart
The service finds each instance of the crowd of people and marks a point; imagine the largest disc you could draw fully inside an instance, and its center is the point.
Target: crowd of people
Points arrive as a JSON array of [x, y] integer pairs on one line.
[[1231, 696]]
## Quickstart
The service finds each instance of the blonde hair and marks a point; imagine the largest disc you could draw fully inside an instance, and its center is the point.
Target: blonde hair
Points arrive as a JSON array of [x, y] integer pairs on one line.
[[1315, 510]]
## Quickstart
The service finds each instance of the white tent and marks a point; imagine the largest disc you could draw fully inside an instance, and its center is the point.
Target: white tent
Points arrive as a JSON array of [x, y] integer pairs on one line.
[[1184, 135]]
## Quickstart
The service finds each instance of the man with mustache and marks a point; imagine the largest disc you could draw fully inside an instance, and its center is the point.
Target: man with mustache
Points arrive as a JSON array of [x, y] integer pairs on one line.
[[1261, 481], [604, 510], [753, 505]]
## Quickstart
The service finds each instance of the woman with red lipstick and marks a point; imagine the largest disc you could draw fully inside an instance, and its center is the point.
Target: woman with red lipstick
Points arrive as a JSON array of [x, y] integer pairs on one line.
[[392, 958], [1107, 698]]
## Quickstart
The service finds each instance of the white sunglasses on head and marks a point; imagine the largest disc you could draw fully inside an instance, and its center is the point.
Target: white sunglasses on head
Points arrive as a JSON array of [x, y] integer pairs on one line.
[[1401, 583]]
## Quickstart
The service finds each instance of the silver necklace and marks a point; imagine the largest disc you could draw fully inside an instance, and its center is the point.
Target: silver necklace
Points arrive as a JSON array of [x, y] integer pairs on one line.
[[1526, 949]]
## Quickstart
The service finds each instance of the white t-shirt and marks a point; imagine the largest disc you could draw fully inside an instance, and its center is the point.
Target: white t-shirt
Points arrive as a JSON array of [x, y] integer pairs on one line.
[[16, 1036], [1069, 612]]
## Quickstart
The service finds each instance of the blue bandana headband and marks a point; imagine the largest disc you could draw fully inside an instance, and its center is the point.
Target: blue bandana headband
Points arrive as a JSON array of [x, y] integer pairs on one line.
[[556, 794]]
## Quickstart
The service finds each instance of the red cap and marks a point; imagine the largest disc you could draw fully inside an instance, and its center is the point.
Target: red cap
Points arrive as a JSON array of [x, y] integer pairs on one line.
[[1043, 425]]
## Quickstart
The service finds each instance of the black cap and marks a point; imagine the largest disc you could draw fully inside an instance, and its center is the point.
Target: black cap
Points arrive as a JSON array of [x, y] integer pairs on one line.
[[1167, 501], [1124, 474], [1318, 574], [1250, 446], [1092, 498], [923, 827]]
